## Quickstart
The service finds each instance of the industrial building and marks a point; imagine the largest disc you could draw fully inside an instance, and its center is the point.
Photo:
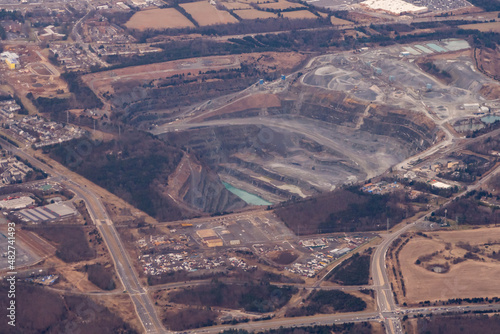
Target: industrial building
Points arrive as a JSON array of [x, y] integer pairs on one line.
[[210, 238], [395, 7], [16, 203], [48, 213], [471, 106], [11, 59], [313, 243], [440, 185]]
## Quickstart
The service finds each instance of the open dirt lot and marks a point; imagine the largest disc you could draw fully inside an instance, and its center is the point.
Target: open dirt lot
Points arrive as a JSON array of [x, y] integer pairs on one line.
[[36, 75], [490, 91], [158, 19], [41, 69], [206, 14], [469, 278], [105, 81], [248, 102], [251, 14], [300, 14], [488, 63]]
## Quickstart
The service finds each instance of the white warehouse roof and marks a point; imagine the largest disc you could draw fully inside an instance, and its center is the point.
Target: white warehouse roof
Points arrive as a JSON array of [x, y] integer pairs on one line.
[[17, 203], [61, 209], [393, 6]]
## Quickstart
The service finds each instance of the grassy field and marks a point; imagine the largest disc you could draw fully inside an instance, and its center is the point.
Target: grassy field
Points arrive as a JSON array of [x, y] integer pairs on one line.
[[206, 14], [251, 14], [158, 19], [467, 272], [491, 26], [299, 14]]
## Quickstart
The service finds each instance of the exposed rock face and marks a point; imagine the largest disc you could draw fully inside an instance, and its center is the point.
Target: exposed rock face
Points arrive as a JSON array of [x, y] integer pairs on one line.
[[194, 185], [307, 146]]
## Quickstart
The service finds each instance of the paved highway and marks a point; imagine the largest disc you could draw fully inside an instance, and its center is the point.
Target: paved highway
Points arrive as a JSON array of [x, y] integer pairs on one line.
[[328, 319], [123, 265], [385, 298], [387, 310]]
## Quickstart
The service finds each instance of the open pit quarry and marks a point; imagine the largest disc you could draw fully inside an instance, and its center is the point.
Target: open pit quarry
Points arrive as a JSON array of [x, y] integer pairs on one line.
[[344, 118]]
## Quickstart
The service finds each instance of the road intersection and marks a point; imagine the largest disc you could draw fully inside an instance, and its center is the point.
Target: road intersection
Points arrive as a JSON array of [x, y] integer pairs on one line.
[[387, 310]]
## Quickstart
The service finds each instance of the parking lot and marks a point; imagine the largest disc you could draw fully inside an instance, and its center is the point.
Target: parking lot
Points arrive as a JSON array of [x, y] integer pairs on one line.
[[22, 255]]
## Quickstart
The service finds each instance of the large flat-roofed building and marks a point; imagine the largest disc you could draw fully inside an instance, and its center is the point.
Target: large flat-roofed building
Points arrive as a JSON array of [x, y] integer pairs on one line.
[[48, 213], [207, 233], [440, 185], [214, 243], [61, 209], [210, 238], [396, 7], [472, 106], [16, 203]]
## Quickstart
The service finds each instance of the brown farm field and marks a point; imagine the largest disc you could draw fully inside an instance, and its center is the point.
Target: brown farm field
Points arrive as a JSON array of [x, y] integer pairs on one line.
[[485, 27], [468, 270], [281, 4], [236, 5], [206, 14], [339, 22], [158, 19], [251, 14], [299, 14]]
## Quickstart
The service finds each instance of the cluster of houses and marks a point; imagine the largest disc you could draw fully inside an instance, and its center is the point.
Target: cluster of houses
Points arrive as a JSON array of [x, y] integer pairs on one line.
[[41, 133], [13, 170], [9, 107]]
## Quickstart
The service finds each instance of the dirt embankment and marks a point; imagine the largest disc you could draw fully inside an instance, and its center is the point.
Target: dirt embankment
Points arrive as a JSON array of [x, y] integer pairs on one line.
[[487, 62]]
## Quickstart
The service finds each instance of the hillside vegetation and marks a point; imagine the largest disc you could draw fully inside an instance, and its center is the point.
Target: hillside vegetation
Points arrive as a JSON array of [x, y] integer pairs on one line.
[[128, 167], [344, 210], [353, 271], [252, 298], [460, 324], [328, 301], [43, 311]]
